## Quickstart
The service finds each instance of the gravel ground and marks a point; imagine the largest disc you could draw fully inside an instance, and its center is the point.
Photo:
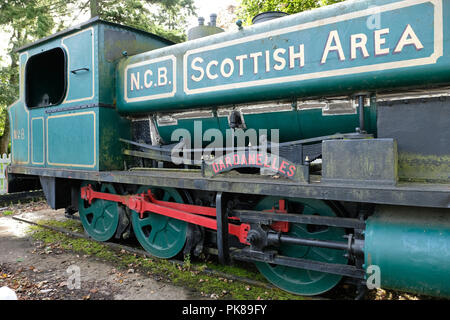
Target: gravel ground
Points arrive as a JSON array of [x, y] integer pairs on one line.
[[39, 272]]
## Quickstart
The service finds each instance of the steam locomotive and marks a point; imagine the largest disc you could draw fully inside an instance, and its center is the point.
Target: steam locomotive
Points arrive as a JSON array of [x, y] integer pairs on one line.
[[314, 145]]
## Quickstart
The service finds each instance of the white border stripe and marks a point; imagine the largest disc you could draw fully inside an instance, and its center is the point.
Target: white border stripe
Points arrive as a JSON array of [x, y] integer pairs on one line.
[[22, 101], [43, 141], [68, 66], [94, 136], [156, 96]]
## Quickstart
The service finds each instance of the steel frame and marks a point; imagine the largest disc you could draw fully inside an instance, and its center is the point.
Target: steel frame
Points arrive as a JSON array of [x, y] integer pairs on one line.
[[406, 194]]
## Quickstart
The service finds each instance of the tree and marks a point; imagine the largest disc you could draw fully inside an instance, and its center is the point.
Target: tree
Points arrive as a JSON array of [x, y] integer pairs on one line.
[[24, 21], [250, 8], [167, 18]]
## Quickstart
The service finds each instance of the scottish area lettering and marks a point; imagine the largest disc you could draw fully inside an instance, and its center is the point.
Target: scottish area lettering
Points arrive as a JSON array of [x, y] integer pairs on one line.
[[405, 36], [294, 50]]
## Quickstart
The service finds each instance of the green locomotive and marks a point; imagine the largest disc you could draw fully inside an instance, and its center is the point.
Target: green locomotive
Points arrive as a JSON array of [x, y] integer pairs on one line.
[[215, 141]]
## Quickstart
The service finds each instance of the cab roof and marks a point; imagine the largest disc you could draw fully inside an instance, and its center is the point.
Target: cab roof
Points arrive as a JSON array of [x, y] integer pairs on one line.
[[95, 20]]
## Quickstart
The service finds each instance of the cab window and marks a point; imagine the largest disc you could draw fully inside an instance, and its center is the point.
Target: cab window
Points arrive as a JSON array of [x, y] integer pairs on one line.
[[45, 78]]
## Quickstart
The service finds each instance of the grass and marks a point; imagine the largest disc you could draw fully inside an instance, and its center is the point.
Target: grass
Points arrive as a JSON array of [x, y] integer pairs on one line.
[[7, 212], [190, 274]]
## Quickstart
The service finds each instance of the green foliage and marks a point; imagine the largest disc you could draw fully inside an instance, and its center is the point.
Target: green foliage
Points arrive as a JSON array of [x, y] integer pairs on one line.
[[167, 18], [250, 8], [24, 21], [8, 93]]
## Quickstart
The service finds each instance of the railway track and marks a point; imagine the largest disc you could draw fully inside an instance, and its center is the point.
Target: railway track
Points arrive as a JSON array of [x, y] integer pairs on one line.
[[119, 247], [15, 197], [339, 292]]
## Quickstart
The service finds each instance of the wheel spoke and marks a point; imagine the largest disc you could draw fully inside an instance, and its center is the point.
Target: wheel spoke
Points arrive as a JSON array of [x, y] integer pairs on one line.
[[174, 227], [297, 280], [322, 254], [172, 230], [96, 214], [167, 236], [108, 212], [154, 234], [105, 215], [147, 221], [314, 275]]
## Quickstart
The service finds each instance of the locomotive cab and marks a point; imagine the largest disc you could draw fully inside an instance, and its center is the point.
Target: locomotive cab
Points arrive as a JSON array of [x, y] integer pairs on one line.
[[66, 117]]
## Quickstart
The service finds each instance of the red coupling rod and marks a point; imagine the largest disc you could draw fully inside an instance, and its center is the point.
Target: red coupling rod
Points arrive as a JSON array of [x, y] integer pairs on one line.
[[185, 212]]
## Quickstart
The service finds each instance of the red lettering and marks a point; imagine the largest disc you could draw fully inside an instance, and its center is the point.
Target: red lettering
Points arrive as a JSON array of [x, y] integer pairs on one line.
[[236, 157], [283, 165], [251, 158], [244, 159], [258, 159], [222, 166], [228, 161], [292, 170], [266, 161], [274, 163], [215, 167]]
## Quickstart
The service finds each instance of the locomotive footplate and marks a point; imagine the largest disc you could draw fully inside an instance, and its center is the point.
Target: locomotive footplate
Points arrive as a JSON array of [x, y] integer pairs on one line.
[[403, 193]]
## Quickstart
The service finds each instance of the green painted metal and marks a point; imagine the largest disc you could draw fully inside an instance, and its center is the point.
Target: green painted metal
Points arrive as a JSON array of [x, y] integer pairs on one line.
[[100, 219], [161, 236], [303, 55], [288, 125], [115, 42], [411, 247], [38, 140], [300, 281], [81, 132], [72, 139], [112, 127], [81, 51]]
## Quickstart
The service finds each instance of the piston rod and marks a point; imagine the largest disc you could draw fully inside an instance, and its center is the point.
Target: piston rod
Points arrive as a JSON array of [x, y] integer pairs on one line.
[[355, 246]]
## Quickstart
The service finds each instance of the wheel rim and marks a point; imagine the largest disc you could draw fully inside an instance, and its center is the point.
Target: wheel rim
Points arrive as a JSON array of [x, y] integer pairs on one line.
[[301, 281], [101, 217], [161, 236]]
